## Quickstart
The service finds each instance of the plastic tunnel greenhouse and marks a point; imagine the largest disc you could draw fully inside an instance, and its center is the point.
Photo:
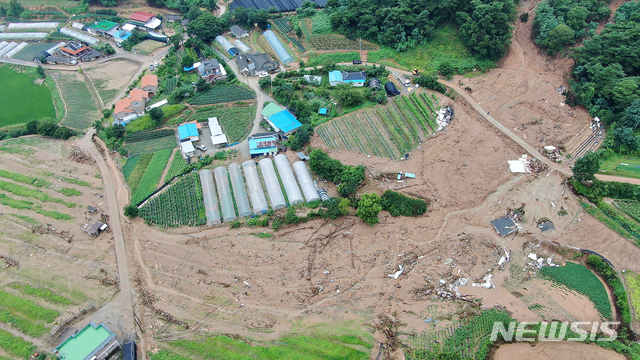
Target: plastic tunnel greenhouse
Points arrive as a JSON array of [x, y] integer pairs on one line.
[[239, 192], [277, 46], [210, 198], [23, 36], [273, 185], [256, 193], [306, 183], [242, 46], [288, 180], [226, 44], [224, 193]]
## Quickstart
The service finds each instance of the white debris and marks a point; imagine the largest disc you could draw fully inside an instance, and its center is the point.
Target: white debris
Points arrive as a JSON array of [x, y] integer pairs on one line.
[[442, 281], [502, 261], [487, 284], [533, 257], [448, 261], [246, 283], [397, 273]]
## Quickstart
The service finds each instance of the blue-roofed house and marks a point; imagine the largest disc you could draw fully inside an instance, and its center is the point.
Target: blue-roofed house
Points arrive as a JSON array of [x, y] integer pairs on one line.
[[355, 78], [270, 110], [335, 77], [263, 144], [322, 111], [188, 131], [284, 121]]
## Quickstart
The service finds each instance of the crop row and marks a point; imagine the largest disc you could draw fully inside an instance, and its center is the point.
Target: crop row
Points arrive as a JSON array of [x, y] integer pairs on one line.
[[629, 207], [337, 42], [297, 44], [81, 109], [148, 135], [283, 24], [151, 146], [221, 94], [151, 177], [170, 86], [180, 204], [138, 168], [178, 164], [373, 144]]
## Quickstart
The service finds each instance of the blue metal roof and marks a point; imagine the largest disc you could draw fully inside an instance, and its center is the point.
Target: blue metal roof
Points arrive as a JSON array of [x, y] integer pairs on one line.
[[256, 149], [285, 121], [322, 111], [187, 130], [335, 75]]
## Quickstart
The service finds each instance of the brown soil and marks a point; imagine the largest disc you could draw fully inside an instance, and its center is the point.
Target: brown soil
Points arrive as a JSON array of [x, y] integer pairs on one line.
[[114, 74], [554, 350]]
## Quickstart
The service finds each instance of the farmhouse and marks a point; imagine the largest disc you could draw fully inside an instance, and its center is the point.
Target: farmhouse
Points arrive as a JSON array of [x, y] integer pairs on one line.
[[188, 132], [251, 64], [374, 84], [134, 103], [335, 77], [103, 28], [149, 83], [284, 121], [263, 144], [270, 110], [211, 71], [238, 31], [218, 138], [354, 78], [145, 19], [93, 342]]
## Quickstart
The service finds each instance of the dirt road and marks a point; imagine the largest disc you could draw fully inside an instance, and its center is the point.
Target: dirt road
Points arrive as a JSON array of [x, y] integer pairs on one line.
[[618, 179], [122, 302]]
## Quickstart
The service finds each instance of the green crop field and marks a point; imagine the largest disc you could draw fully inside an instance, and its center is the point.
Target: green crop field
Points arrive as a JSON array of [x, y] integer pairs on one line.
[[445, 45], [152, 174], [40, 292], [389, 131], [320, 59], [633, 287], [235, 121], [292, 347], [222, 94], [178, 164], [128, 167], [22, 100], [135, 174], [151, 145], [621, 165], [16, 346], [578, 278], [81, 108], [24, 315], [179, 204], [629, 207]]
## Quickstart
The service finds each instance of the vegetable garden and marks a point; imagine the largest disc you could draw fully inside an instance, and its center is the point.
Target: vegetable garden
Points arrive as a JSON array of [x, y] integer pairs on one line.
[[151, 177], [389, 131], [152, 145], [179, 204], [235, 121], [629, 207], [221, 94], [470, 340], [578, 278], [332, 42], [81, 108], [178, 164]]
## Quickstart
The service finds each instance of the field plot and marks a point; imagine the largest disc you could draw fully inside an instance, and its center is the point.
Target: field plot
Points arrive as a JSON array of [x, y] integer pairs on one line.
[[152, 175], [109, 79], [578, 278], [235, 121], [147, 47], [179, 204], [178, 164], [19, 89], [387, 131], [149, 142], [81, 108], [222, 94], [31, 51], [41, 291], [629, 207], [633, 287]]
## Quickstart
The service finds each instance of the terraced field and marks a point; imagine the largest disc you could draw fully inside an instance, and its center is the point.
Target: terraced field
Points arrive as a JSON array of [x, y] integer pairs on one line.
[[81, 108]]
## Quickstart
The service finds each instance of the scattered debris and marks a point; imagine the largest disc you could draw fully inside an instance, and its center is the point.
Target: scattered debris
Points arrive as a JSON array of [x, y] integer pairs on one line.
[[397, 273], [545, 224], [48, 229], [552, 152], [487, 284], [389, 327], [504, 226], [561, 90], [104, 278], [526, 164], [10, 262], [80, 156], [444, 116]]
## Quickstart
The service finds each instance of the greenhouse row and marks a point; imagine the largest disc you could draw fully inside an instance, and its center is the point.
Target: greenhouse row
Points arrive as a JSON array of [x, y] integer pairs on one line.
[[227, 193]]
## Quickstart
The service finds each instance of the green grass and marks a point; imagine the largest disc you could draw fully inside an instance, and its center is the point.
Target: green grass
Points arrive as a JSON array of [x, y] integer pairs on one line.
[[138, 171], [293, 347], [144, 122], [15, 346], [178, 164], [32, 193], [43, 293], [613, 166], [319, 59], [235, 121], [24, 179], [22, 100], [610, 223], [29, 220], [73, 181], [23, 324], [578, 278], [633, 287], [27, 308], [445, 45]]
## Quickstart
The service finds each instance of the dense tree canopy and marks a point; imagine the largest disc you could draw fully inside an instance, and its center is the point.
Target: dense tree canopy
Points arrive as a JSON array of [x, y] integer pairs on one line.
[[403, 24]]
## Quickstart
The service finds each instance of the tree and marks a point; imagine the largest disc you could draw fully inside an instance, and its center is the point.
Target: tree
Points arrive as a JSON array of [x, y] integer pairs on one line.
[[108, 50], [3, 13], [347, 96], [131, 211], [265, 82], [47, 127], [586, 167], [369, 207], [273, 10], [115, 132], [300, 138], [98, 125], [560, 36], [156, 115], [40, 71], [15, 9], [187, 61], [64, 133], [202, 85], [486, 30], [31, 127], [262, 19], [430, 81], [205, 27], [193, 13], [175, 39], [524, 17], [343, 206], [446, 69]]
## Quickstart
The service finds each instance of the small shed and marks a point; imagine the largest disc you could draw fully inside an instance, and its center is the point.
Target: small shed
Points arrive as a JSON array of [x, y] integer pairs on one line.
[[504, 226], [546, 226], [335, 77], [97, 228], [311, 79], [374, 84], [187, 148], [188, 131], [322, 111], [303, 157], [91, 209], [238, 31]]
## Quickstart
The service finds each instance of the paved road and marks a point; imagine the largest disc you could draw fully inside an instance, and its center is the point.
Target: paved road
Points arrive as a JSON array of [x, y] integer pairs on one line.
[[618, 179], [122, 302]]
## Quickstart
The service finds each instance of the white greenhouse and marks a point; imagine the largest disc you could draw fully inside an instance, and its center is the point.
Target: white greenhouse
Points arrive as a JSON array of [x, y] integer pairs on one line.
[[273, 185], [210, 198], [306, 183], [239, 191], [224, 193], [277, 46], [256, 193], [288, 180]]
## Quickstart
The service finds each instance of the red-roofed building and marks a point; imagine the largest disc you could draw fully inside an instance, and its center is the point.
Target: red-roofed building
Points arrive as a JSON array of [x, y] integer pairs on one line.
[[149, 83], [134, 103], [141, 16]]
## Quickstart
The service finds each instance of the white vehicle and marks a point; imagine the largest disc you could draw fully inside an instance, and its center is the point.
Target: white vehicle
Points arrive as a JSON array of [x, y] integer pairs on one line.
[[201, 147], [263, 74], [403, 80]]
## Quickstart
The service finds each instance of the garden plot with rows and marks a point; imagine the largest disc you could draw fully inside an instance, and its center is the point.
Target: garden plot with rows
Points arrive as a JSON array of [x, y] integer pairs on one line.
[[81, 108], [386, 131]]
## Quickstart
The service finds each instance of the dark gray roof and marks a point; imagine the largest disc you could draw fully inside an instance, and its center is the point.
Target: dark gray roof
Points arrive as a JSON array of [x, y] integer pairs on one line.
[[91, 209], [374, 83], [209, 65], [238, 31], [91, 55], [174, 17], [185, 22], [257, 62], [95, 228], [546, 226], [262, 135], [60, 59], [353, 75], [391, 89], [504, 225], [282, 5]]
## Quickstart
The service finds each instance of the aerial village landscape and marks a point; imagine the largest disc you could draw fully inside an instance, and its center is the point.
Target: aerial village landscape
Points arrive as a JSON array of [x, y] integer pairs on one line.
[[262, 179]]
